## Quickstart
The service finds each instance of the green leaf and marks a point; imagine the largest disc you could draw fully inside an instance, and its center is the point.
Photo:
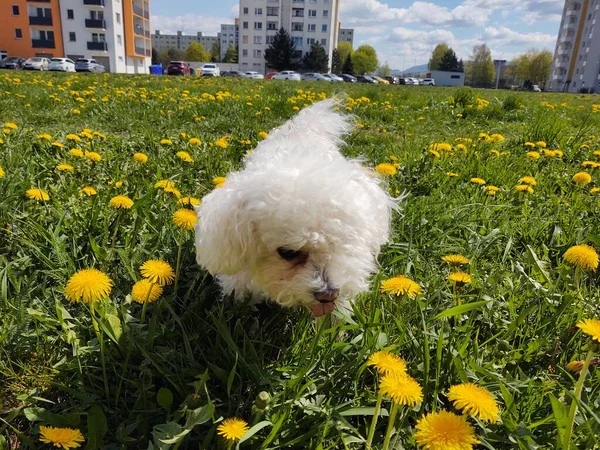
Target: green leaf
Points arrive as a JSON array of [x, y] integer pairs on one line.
[[363, 411], [36, 414], [111, 325], [461, 309], [165, 398], [199, 415], [97, 427], [231, 376], [560, 416], [255, 429]]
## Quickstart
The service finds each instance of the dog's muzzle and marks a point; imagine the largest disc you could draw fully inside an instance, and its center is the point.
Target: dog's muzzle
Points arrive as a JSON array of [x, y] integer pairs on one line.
[[327, 296]]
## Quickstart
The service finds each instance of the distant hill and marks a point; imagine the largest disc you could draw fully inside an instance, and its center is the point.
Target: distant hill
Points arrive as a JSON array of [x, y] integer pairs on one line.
[[420, 68]]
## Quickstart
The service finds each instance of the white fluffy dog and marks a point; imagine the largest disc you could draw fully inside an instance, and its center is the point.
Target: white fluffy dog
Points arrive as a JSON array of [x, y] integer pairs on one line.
[[300, 224]]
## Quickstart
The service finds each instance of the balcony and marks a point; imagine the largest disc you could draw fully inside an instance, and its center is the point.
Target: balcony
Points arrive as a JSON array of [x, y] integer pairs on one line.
[[561, 64], [147, 34], [148, 52], [42, 43], [140, 50], [93, 2], [138, 10], [95, 23], [98, 46], [569, 25], [147, 14], [40, 20]]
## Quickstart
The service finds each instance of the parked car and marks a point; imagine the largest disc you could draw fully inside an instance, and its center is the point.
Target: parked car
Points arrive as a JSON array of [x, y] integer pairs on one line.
[[365, 79], [380, 80], [210, 70], [254, 75], [36, 63], [428, 82], [61, 65], [88, 65], [536, 88], [12, 62], [402, 80], [178, 68], [270, 75], [414, 81], [234, 74], [392, 80], [313, 76], [348, 78], [287, 75], [333, 77]]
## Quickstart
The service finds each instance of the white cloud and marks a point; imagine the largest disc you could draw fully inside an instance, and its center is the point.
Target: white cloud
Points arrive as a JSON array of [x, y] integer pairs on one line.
[[189, 24], [503, 36]]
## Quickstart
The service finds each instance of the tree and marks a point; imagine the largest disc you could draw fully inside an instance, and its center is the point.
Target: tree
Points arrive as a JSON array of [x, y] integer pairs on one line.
[[532, 67], [171, 54], [280, 54], [449, 62], [481, 67], [436, 56], [336, 62], [231, 55], [195, 52], [316, 60], [364, 59], [344, 49], [155, 56], [384, 71], [215, 52], [348, 67]]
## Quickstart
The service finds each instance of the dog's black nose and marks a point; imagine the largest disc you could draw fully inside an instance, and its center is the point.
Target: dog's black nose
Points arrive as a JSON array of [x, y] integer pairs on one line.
[[327, 295]]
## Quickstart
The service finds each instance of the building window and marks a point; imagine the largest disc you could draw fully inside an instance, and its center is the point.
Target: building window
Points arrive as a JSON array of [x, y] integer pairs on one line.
[[297, 41], [257, 53], [310, 41], [325, 13], [258, 39], [323, 42], [270, 39], [245, 52], [258, 11], [271, 25], [244, 39], [120, 59], [312, 13], [297, 26], [118, 16], [245, 25], [18, 33], [312, 27], [72, 36], [119, 39], [245, 10], [324, 28], [15, 10], [258, 25], [70, 14]]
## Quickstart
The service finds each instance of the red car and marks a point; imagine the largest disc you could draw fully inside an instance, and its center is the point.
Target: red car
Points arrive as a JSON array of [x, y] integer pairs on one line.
[[178, 68], [270, 75]]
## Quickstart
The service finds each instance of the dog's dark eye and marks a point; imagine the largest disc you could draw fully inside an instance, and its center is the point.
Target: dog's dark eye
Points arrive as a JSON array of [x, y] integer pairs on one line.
[[297, 256]]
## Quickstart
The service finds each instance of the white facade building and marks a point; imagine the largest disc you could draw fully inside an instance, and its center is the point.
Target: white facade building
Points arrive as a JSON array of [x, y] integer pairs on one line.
[[181, 41], [576, 63], [229, 36], [113, 32], [307, 21], [346, 35]]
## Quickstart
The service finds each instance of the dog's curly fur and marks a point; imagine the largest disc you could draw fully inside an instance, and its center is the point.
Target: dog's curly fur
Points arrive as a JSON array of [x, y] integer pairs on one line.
[[299, 219]]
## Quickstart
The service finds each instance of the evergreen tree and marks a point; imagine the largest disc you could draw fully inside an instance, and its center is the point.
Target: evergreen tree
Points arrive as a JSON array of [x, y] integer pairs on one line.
[[215, 52], [231, 55], [316, 60], [348, 67], [449, 62], [436, 56], [336, 62], [155, 56], [461, 66], [280, 54]]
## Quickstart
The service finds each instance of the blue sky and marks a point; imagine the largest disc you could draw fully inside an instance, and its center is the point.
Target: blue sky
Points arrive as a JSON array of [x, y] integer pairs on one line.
[[403, 32]]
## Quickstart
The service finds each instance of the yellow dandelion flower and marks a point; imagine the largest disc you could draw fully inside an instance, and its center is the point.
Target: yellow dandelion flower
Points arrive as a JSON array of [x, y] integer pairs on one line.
[[185, 218], [75, 111], [456, 260], [140, 157], [232, 429], [591, 327], [582, 256], [57, 144], [477, 180], [496, 137], [44, 137], [540, 144], [452, 174], [166, 142], [491, 189], [461, 147], [162, 184], [401, 285], [88, 285], [524, 188], [475, 401], [37, 194], [189, 201], [582, 178], [263, 135], [144, 291], [222, 142], [575, 366], [219, 181], [195, 141], [118, 184], [444, 430], [386, 362], [65, 167], [158, 271], [460, 278], [529, 144], [65, 438], [77, 152], [1, 172], [434, 153], [89, 191], [386, 169], [533, 155], [528, 180], [73, 137], [93, 156], [184, 156], [441, 147], [550, 153], [121, 202], [595, 190], [401, 388], [173, 190], [12, 126]]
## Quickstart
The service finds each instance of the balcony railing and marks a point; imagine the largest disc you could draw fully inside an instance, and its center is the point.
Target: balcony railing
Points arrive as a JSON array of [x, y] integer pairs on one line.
[[95, 23], [94, 2], [138, 31], [140, 50], [147, 33], [42, 43], [138, 10], [148, 52], [100, 46], [40, 20], [146, 14]]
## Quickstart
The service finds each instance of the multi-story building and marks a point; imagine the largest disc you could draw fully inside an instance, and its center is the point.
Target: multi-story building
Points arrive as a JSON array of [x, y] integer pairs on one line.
[[181, 41], [31, 28], [576, 63], [229, 36], [346, 35], [114, 32], [307, 21]]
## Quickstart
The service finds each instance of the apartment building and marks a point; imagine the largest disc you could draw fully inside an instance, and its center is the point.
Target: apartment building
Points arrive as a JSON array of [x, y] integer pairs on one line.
[[229, 36], [346, 35], [114, 32], [181, 41], [31, 28], [576, 63], [307, 21]]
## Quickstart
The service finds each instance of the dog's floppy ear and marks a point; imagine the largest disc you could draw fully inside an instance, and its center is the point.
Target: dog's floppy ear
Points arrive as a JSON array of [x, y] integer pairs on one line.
[[223, 231]]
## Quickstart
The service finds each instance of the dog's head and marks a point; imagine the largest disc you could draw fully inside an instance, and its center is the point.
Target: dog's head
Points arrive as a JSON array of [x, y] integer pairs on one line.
[[307, 230]]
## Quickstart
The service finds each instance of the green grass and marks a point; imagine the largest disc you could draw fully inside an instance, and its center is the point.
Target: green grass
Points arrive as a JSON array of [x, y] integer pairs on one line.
[[167, 381]]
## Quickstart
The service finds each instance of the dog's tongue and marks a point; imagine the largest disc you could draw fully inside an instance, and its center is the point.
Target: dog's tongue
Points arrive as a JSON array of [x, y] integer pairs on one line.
[[321, 309]]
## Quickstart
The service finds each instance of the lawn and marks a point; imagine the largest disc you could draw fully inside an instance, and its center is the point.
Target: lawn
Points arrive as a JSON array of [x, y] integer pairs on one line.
[[164, 370]]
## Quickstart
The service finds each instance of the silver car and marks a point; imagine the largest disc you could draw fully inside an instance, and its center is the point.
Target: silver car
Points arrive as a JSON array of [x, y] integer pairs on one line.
[[315, 77], [88, 65], [287, 75], [37, 63]]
